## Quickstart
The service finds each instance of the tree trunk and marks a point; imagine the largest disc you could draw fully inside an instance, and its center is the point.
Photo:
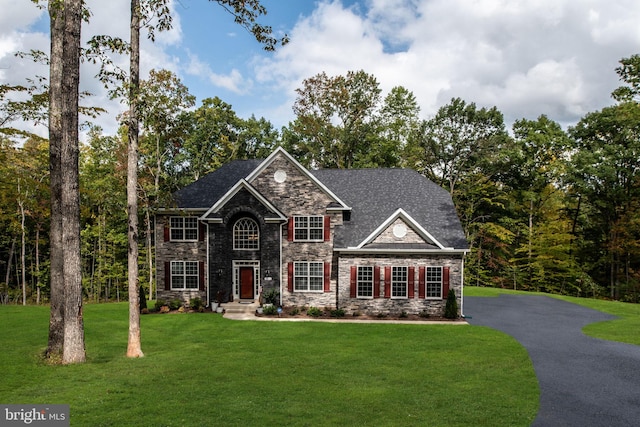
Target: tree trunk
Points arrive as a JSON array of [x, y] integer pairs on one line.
[[56, 318], [23, 263], [133, 346], [38, 265], [73, 347]]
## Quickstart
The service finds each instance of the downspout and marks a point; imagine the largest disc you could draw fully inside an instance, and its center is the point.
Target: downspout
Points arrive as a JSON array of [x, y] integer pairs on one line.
[[206, 281], [462, 286], [280, 267]]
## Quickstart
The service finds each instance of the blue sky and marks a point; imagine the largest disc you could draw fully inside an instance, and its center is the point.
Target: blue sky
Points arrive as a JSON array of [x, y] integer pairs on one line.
[[527, 58]]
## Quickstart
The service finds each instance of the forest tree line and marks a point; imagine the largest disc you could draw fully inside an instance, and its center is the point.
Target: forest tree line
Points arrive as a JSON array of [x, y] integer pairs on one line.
[[543, 208]]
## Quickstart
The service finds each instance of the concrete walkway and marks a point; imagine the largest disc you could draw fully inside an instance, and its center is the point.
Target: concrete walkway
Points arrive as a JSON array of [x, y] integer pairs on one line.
[[583, 381]]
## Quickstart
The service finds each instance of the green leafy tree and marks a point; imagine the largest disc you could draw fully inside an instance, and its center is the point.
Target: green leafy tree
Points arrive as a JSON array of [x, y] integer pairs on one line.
[[336, 121], [604, 172]]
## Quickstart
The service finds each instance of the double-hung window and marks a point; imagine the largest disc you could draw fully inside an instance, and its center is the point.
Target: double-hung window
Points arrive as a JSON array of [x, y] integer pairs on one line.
[[184, 228], [184, 275], [365, 282], [308, 228], [399, 282], [308, 276], [433, 282]]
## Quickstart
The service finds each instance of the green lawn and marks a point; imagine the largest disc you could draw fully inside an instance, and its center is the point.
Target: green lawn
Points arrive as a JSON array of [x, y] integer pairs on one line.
[[625, 329], [202, 370]]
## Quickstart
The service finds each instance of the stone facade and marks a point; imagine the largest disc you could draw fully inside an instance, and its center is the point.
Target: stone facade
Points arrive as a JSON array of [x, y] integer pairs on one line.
[[167, 251], [298, 195], [276, 193], [394, 306]]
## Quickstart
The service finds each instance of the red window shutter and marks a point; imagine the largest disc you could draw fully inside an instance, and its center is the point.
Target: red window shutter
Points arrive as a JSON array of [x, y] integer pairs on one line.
[[411, 281], [290, 277], [327, 228], [354, 281], [445, 282], [201, 275], [167, 233], [421, 281], [327, 277], [290, 230], [167, 276], [387, 282], [202, 231], [376, 282]]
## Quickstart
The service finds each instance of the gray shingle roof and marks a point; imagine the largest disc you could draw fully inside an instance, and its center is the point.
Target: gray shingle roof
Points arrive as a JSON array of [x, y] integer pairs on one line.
[[375, 194], [203, 193]]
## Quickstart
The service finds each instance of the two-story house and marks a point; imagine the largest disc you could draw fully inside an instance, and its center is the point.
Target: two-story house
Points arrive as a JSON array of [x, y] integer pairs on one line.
[[367, 240]]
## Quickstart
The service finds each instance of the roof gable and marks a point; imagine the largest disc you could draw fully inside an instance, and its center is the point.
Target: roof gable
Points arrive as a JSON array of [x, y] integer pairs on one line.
[[243, 185], [337, 202], [405, 218]]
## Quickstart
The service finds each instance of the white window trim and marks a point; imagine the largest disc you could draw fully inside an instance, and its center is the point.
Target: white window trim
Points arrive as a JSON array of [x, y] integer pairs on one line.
[[358, 282], [235, 248], [406, 282], [308, 228], [185, 275], [183, 228], [426, 282], [308, 276]]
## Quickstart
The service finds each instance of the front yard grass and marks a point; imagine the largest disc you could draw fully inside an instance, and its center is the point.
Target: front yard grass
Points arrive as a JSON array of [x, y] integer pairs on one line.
[[201, 369], [624, 329]]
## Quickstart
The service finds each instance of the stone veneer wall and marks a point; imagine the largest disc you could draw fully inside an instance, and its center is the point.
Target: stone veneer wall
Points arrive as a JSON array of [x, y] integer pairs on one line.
[[435, 307], [298, 195], [176, 251]]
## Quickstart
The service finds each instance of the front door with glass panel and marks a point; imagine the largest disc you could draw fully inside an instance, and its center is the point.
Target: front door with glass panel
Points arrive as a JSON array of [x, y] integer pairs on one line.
[[245, 275]]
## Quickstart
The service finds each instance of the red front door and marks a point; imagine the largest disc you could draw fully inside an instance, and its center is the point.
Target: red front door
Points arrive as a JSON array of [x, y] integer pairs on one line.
[[246, 282]]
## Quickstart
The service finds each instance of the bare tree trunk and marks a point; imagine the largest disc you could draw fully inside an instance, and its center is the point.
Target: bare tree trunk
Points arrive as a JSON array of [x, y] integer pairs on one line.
[[133, 346], [22, 252], [56, 318], [38, 264], [73, 348]]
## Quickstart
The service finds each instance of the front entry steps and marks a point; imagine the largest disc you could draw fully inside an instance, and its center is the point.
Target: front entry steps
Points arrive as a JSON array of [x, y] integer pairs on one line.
[[243, 309]]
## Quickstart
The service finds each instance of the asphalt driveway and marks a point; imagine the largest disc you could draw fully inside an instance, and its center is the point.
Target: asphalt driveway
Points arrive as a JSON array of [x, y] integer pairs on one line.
[[583, 381]]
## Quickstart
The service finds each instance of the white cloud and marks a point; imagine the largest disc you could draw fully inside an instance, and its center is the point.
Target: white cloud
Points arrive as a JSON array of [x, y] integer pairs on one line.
[[554, 57]]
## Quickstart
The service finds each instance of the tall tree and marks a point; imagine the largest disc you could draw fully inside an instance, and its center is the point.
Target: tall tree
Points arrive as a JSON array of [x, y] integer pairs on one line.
[[56, 319], [604, 171], [460, 140], [134, 348], [336, 121]]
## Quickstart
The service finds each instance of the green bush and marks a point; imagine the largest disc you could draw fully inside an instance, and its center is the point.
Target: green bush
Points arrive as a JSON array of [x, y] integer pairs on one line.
[[272, 296], [451, 308], [294, 311], [314, 312], [175, 304], [270, 310], [424, 314], [142, 299], [337, 313], [196, 304], [159, 303]]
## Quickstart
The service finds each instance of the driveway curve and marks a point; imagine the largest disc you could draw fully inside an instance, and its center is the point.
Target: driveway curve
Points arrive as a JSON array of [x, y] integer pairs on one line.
[[584, 381]]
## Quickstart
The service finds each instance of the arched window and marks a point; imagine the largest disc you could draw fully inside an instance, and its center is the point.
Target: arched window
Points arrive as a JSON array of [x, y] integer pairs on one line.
[[246, 235]]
